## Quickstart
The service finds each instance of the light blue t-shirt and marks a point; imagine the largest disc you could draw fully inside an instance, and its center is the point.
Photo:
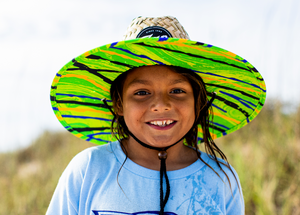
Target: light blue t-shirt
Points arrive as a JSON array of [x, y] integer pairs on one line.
[[91, 185]]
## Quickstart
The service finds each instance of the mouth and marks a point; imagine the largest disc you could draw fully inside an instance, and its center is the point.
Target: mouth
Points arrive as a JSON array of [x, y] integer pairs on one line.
[[162, 124]]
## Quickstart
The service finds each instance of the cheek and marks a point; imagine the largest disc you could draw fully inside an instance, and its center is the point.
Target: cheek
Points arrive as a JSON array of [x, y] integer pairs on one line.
[[189, 111], [132, 113]]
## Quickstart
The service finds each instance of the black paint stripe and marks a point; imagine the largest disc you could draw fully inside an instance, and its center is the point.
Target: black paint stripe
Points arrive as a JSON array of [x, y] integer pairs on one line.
[[80, 103], [193, 55], [52, 98], [95, 57], [231, 104], [228, 88], [82, 66], [199, 43], [70, 129], [54, 87], [98, 70], [255, 71], [217, 128]]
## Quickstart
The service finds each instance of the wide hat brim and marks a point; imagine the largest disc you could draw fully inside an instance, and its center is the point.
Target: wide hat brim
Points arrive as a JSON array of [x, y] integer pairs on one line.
[[78, 89]]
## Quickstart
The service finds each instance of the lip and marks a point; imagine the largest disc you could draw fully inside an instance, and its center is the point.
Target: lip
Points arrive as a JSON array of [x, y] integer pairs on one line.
[[161, 128]]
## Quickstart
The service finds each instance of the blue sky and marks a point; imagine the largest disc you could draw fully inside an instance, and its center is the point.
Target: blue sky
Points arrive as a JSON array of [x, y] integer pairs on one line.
[[38, 37]]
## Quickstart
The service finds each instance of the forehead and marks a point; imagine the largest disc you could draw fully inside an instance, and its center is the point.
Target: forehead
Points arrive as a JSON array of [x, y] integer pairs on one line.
[[150, 74]]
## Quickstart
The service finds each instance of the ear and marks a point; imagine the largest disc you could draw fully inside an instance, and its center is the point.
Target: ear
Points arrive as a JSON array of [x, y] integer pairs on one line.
[[120, 108]]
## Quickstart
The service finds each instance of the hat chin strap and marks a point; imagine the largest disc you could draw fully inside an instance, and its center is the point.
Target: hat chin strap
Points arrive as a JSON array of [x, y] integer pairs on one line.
[[162, 155]]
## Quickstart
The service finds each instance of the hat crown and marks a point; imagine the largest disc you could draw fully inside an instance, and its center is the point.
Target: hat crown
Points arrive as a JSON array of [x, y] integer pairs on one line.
[[168, 23]]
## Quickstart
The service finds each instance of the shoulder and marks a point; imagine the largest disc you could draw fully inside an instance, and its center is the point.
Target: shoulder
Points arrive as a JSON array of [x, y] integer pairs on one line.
[[101, 152], [84, 170], [213, 166], [222, 174], [92, 153], [97, 158], [224, 177]]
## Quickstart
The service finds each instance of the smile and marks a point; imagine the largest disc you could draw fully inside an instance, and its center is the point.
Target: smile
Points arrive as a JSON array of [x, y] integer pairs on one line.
[[162, 123]]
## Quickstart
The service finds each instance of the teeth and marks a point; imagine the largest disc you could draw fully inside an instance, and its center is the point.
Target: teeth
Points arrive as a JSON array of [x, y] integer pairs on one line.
[[162, 123]]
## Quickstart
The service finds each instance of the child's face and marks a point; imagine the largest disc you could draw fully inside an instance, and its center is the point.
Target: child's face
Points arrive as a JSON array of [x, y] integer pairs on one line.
[[158, 105]]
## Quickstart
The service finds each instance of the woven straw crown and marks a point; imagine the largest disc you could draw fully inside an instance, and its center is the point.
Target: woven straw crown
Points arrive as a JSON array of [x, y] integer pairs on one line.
[[168, 22]]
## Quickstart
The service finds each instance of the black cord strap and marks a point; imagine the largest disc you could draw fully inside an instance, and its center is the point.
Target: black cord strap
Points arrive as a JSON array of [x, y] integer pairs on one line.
[[109, 108], [162, 155], [163, 172], [208, 103]]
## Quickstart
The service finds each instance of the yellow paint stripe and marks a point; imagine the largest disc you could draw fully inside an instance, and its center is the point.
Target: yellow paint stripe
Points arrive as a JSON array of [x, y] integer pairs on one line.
[[87, 53], [226, 117], [201, 49], [263, 85], [87, 79], [83, 110], [214, 136], [123, 56], [55, 80], [59, 117], [229, 82], [182, 40], [231, 54], [79, 135]]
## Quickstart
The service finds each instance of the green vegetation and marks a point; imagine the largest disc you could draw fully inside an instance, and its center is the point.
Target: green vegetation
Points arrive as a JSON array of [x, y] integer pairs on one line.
[[28, 177], [266, 155]]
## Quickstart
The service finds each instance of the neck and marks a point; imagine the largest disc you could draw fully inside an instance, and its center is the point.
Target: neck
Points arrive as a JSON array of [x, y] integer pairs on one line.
[[179, 155]]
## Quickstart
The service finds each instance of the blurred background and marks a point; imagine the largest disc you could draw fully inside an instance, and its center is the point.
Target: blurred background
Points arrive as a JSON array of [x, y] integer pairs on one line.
[[38, 37]]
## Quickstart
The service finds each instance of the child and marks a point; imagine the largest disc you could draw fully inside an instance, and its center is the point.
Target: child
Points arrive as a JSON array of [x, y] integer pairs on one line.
[[160, 94]]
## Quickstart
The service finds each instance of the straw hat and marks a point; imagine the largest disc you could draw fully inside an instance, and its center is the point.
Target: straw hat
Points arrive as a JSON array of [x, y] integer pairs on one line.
[[142, 27], [78, 89]]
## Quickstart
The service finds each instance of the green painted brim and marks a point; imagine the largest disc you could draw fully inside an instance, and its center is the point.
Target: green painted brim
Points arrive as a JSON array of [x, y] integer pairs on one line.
[[79, 87]]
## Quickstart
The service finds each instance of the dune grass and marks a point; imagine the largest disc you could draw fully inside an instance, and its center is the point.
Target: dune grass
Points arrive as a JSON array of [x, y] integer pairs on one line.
[[29, 176], [265, 153]]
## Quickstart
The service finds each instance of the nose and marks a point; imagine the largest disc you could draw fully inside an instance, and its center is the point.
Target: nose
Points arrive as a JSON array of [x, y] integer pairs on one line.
[[160, 103]]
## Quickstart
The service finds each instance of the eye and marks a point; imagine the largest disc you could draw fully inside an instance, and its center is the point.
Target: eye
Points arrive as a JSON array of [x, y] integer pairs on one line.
[[177, 91], [142, 93]]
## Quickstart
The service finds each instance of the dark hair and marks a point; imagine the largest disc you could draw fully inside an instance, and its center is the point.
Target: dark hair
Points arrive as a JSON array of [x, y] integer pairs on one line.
[[203, 116]]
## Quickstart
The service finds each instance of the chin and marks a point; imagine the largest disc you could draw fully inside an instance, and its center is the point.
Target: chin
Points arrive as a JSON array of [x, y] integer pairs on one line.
[[162, 141]]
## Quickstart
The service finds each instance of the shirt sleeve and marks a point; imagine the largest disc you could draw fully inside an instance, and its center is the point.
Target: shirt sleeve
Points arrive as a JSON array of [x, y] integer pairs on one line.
[[66, 196]]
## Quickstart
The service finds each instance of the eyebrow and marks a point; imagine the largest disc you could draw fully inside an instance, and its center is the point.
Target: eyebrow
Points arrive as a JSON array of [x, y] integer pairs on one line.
[[176, 81], [139, 81]]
